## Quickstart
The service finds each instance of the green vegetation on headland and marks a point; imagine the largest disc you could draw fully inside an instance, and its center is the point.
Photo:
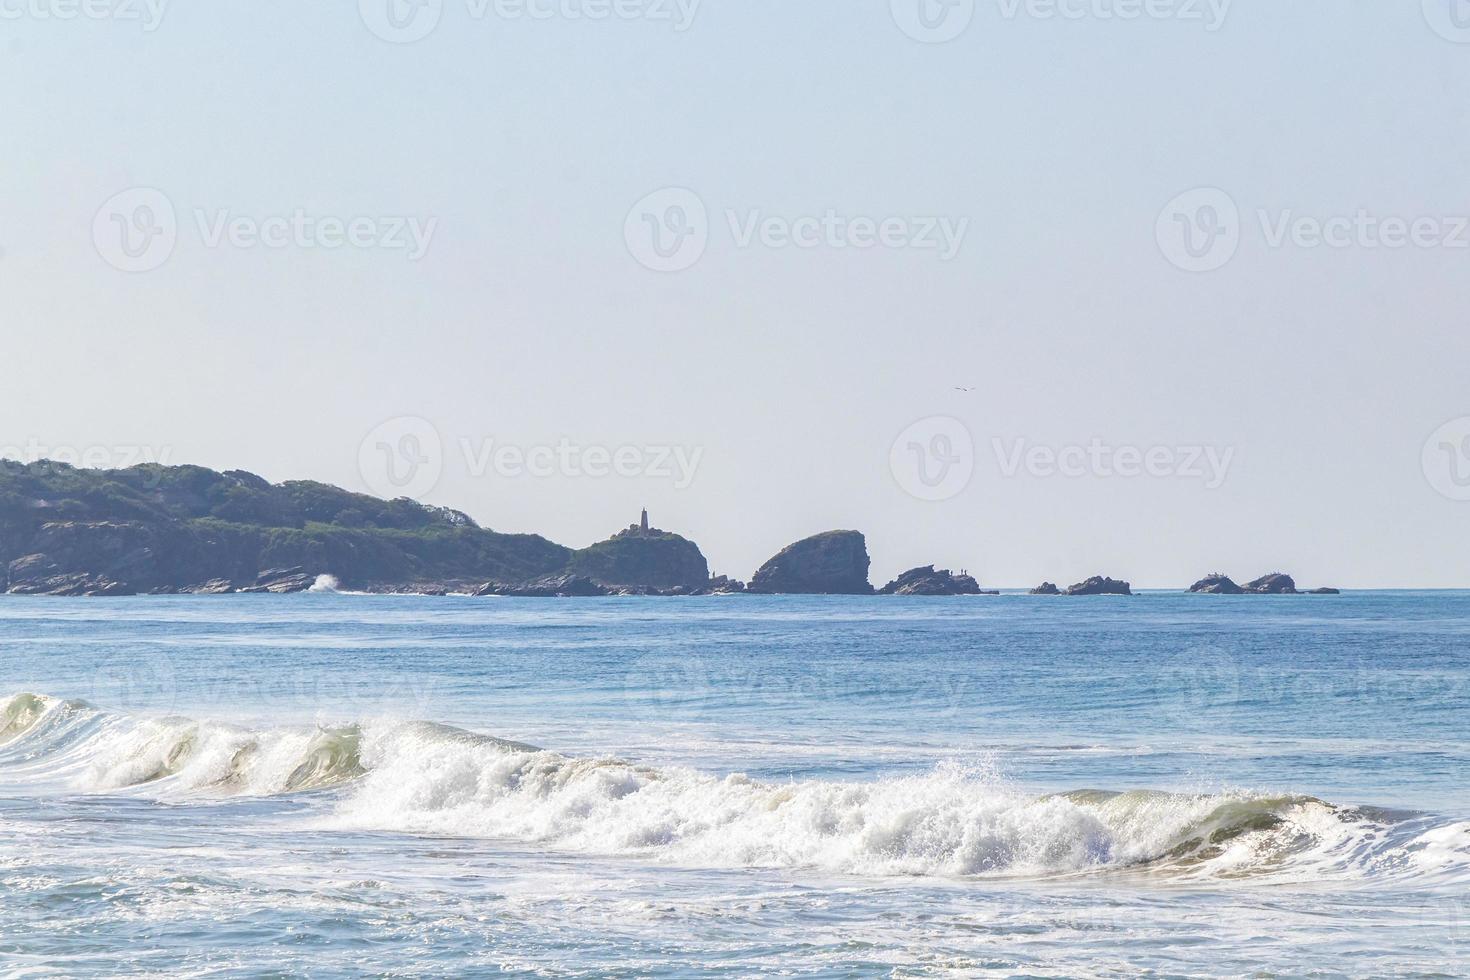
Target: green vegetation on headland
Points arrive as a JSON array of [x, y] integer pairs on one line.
[[156, 529]]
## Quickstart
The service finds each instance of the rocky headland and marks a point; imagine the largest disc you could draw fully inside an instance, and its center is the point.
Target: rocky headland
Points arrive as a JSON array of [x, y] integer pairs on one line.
[[156, 529]]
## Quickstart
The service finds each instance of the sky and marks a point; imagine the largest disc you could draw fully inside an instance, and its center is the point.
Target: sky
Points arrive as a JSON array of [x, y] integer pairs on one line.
[[1040, 290]]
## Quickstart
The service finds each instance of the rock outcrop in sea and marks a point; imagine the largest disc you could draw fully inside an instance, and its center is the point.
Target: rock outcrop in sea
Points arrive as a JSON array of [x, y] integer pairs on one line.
[[1046, 588], [1216, 584], [1098, 585], [834, 563], [926, 581], [1277, 583], [1274, 584]]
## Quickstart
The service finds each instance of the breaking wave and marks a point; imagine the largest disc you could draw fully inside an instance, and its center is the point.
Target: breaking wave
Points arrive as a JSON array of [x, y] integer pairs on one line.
[[422, 778]]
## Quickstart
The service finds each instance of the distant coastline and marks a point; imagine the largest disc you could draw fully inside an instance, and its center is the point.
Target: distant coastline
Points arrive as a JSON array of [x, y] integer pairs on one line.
[[167, 530]]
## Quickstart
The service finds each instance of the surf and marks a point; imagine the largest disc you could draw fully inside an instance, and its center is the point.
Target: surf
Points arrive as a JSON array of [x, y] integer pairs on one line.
[[954, 821]]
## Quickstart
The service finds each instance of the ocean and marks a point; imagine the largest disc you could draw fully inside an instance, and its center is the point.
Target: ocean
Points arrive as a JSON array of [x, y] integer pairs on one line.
[[741, 786]]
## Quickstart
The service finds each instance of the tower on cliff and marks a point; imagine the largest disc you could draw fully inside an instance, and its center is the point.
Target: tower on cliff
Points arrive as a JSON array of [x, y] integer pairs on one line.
[[644, 522]]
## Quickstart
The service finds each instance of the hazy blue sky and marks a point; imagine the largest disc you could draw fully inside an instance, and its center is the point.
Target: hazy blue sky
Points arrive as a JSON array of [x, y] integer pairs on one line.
[[1055, 138]]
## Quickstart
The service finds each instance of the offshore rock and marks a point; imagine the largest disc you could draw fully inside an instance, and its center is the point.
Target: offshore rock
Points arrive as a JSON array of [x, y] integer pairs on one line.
[[834, 563], [1098, 585], [926, 581]]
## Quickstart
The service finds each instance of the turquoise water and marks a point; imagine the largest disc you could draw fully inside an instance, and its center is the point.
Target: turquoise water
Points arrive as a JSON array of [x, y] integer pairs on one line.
[[735, 786]]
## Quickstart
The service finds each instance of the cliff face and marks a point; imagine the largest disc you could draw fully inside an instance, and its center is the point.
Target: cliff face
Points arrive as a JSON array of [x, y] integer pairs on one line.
[[637, 558], [834, 563], [67, 531]]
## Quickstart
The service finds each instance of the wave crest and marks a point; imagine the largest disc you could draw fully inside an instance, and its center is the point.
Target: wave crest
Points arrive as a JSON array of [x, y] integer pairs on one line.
[[423, 778]]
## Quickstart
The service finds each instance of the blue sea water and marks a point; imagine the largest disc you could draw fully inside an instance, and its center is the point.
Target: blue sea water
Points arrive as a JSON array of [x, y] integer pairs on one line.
[[736, 786]]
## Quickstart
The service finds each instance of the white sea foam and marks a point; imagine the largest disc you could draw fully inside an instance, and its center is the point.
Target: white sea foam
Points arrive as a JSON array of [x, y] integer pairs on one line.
[[327, 584], [420, 778]]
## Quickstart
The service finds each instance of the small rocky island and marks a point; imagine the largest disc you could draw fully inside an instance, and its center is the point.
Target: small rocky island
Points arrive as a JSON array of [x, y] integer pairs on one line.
[[929, 582], [1276, 583], [1097, 585], [833, 563]]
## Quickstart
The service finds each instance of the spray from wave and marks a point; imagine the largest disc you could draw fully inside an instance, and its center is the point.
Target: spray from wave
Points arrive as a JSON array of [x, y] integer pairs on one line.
[[327, 584], [422, 778]]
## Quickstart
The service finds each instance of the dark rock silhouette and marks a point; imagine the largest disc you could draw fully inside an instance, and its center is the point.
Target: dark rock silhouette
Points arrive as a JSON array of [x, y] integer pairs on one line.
[[1098, 585], [640, 557], [1046, 588], [547, 587], [1274, 584], [282, 581], [834, 563], [1216, 584], [927, 581]]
